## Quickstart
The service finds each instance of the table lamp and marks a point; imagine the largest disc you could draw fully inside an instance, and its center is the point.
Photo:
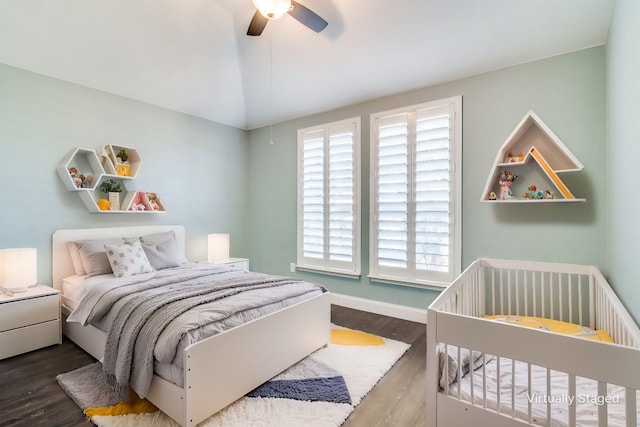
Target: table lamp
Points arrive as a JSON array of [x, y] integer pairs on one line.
[[18, 269], [218, 247]]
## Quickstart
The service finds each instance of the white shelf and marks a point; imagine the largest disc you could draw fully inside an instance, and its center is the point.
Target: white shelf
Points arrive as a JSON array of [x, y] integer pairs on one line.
[[114, 167], [141, 202], [101, 165], [536, 156], [81, 162]]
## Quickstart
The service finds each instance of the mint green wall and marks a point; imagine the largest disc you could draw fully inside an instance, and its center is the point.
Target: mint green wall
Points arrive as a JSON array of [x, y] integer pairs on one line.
[[197, 167], [623, 96], [214, 178], [567, 92]]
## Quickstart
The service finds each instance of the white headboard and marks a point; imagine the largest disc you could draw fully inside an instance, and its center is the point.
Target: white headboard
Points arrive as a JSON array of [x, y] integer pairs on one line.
[[61, 260]]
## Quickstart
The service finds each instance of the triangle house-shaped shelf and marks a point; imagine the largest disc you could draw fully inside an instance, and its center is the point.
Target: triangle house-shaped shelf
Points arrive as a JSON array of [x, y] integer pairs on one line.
[[527, 166]]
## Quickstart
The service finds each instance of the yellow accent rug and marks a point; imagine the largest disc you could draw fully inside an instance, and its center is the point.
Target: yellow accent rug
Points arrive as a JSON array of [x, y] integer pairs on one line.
[[351, 337], [335, 379]]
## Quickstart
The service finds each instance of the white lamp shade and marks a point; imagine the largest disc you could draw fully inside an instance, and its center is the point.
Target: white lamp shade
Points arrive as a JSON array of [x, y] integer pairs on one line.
[[218, 247], [272, 9], [18, 268]]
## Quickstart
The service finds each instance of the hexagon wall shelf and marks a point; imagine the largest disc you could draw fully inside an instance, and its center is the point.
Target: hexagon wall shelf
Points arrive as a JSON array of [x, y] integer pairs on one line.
[[83, 170]]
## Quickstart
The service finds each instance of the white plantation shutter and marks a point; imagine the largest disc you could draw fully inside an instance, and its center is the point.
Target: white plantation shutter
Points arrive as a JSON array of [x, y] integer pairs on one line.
[[432, 190], [313, 195], [393, 191], [415, 194], [329, 198]]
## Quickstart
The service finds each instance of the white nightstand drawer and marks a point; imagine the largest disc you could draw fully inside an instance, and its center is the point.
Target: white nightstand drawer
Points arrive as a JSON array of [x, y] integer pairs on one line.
[[18, 341], [23, 312]]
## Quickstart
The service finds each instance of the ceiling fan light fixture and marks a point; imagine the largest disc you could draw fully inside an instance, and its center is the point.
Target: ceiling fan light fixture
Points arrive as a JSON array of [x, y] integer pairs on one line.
[[272, 9]]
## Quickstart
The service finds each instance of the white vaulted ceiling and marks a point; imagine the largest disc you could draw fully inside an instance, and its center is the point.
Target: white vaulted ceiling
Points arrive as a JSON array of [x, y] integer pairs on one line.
[[193, 56]]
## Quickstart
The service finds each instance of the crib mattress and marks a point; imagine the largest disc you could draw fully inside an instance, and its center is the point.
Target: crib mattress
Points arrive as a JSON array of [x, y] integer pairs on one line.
[[548, 395]]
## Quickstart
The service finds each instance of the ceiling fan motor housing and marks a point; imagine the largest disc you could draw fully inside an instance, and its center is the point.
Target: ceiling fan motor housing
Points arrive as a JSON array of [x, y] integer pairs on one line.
[[272, 9]]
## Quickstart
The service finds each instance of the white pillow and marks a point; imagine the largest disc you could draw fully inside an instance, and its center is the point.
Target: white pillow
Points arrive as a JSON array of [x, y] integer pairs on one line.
[[76, 260], [128, 259]]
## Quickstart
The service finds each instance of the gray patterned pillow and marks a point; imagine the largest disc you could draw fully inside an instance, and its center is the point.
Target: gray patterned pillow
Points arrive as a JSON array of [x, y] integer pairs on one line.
[[128, 259]]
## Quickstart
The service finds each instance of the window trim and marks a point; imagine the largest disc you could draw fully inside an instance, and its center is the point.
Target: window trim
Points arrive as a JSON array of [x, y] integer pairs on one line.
[[455, 257], [326, 266]]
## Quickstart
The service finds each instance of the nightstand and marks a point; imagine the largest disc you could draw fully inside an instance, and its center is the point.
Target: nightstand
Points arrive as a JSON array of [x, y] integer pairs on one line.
[[241, 263], [29, 320]]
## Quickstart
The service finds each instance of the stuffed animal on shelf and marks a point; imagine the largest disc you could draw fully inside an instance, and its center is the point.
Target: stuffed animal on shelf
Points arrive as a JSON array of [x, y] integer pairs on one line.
[[77, 181]]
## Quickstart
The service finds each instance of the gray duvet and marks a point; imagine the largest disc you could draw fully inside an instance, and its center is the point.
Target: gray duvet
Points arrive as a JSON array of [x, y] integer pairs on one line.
[[151, 318]]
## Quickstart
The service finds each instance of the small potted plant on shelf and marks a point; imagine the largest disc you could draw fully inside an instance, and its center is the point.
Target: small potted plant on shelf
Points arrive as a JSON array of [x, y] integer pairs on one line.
[[122, 165], [112, 188]]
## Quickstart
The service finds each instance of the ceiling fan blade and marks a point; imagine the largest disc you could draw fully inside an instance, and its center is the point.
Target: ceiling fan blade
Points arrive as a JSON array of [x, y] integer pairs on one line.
[[307, 17], [258, 22]]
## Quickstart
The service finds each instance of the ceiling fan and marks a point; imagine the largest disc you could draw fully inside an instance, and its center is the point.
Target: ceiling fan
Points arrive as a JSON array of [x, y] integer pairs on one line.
[[274, 9]]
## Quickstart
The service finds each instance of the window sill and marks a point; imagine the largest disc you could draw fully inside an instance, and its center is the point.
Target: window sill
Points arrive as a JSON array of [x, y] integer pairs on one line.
[[434, 286], [328, 272]]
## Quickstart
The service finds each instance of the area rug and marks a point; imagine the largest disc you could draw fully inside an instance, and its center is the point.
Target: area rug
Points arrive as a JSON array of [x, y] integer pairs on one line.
[[321, 390]]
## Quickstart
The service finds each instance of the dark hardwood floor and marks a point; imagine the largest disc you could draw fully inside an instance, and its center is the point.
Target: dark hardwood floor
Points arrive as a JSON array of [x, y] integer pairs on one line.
[[30, 395]]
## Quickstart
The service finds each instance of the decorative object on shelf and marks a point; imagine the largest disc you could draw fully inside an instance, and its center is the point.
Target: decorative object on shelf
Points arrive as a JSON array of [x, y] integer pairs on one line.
[[122, 155], [110, 186], [105, 159], [217, 247], [505, 180], [513, 158], [103, 204], [18, 269], [541, 158], [533, 193], [122, 166], [77, 181], [154, 201], [87, 181], [112, 189], [140, 201]]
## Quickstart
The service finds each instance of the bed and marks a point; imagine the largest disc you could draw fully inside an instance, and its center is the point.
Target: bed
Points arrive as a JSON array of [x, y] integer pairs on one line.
[[483, 370], [216, 370]]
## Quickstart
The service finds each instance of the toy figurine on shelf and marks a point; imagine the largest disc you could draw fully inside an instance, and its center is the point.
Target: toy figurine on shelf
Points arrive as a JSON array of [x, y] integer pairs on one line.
[[87, 182], [506, 179], [533, 193], [491, 196]]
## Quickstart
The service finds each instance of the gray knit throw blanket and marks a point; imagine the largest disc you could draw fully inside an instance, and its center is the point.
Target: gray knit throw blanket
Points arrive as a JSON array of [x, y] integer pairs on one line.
[[128, 358]]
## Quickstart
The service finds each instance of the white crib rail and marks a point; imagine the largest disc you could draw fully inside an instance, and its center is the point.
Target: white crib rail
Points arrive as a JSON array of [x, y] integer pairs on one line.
[[572, 293]]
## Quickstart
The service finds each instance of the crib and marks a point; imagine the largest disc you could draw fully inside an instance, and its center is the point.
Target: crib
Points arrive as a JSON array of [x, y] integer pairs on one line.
[[510, 375]]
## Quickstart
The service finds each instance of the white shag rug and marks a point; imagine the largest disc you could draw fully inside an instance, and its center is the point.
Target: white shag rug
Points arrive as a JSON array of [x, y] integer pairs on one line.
[[360, 365]]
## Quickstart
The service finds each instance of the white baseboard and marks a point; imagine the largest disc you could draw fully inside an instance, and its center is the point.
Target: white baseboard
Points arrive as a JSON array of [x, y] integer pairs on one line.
[[378, 307]]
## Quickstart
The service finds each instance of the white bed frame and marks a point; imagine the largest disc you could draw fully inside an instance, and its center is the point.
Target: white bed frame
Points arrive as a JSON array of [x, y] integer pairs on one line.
[[571, 293], [222, 368]]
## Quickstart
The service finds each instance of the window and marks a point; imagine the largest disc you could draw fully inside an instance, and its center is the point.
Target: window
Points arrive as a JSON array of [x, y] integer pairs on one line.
[[329, 198], [415, 193]]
